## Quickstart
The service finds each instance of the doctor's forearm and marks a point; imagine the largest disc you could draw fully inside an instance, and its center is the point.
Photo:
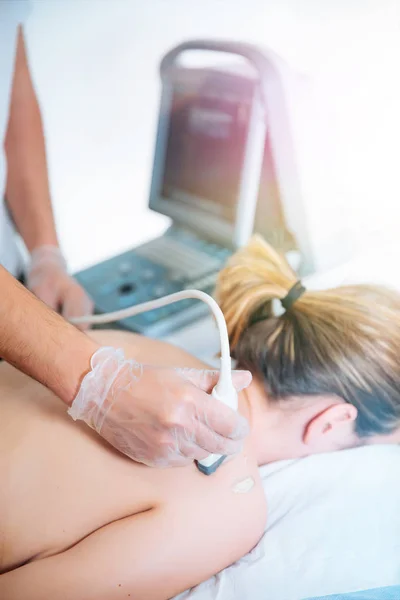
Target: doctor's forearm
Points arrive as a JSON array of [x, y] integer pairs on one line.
[[41, 343], [27, 190]]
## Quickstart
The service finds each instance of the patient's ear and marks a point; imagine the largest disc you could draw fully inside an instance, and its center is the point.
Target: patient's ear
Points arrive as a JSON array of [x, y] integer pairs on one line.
[[332, 428]]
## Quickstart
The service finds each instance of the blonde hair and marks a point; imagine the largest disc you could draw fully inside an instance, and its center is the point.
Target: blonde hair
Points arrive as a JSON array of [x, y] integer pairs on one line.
[[343, 341]]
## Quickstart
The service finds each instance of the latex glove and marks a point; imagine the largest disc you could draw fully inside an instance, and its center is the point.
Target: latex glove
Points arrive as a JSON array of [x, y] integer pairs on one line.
[[48, 279], [158, 416]]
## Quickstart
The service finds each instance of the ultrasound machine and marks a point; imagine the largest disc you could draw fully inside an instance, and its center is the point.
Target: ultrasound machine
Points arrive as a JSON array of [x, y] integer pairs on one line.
[[213, 175]]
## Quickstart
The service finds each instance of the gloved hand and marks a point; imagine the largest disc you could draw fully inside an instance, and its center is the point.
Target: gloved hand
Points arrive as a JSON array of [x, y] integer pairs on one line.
[[48, 279], [158, 416]]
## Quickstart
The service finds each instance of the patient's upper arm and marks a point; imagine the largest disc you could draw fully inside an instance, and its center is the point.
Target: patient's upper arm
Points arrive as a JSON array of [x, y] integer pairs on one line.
[[153, 555]]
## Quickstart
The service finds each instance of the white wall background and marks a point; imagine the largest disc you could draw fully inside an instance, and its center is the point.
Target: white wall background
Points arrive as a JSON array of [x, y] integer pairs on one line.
[[95, 65]]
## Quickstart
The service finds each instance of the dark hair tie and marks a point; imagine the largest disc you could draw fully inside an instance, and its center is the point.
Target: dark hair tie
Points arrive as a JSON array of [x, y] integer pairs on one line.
[[264, 311], [293, 294]]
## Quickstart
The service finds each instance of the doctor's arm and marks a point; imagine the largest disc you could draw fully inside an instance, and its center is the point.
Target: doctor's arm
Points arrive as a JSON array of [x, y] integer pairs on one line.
[[28, 196], [41, 343], [157, 415]]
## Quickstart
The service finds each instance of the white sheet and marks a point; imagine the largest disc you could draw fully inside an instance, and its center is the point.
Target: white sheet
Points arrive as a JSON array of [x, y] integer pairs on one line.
[[333, 526]]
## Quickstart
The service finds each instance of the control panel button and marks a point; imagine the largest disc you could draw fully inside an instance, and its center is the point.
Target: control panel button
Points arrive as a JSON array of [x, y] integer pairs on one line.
[[125, 268], [107, 288], [160, 290], [147, 274], [126, 288]]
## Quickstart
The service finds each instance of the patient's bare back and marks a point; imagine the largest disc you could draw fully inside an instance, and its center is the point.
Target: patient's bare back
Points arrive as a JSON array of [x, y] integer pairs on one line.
[[62, 486]]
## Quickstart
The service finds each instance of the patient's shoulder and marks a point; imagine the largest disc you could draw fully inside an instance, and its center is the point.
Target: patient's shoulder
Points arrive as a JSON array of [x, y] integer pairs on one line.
[[147, 350], [227, 509]]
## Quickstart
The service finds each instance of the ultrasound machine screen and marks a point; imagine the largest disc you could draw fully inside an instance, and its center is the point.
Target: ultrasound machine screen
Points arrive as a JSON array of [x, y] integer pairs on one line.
[[206, 129], [204, 153]]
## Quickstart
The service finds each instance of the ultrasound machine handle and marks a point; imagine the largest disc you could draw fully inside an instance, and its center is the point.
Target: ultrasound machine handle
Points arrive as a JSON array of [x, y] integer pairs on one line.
[[256, 57]]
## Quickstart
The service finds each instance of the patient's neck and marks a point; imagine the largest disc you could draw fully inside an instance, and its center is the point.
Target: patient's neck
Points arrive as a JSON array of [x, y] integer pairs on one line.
[[268, 440]]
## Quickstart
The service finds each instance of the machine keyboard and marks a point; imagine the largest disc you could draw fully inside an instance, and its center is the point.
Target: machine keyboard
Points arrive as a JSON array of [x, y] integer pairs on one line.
[[183, 260], [174, 262]]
